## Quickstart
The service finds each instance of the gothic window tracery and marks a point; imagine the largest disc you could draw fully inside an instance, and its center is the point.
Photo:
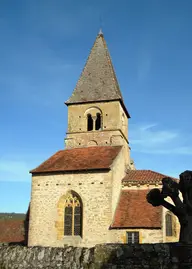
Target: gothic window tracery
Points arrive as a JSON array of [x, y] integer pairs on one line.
[[73, 215]]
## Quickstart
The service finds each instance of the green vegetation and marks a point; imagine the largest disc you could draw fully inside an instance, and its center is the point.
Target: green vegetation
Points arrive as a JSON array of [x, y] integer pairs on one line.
[[13, 216]]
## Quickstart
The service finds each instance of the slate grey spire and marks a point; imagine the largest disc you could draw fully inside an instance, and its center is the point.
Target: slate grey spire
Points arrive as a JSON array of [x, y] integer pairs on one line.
[[98, 81]]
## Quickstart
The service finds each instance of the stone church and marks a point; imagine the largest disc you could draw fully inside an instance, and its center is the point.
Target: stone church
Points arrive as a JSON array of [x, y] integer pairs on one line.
[[90, 192]]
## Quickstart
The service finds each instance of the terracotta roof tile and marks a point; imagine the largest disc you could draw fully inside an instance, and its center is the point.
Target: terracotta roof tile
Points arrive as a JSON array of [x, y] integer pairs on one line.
[[12, 231], [90, 158], [133, 211], [143, 176]]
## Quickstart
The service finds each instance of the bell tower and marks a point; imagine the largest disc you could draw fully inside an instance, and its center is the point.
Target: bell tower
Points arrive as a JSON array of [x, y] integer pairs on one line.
[[97, 115]]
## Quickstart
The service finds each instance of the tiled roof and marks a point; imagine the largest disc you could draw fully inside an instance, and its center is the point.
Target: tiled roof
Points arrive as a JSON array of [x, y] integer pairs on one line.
[[133, 211], [12, 231], [90, 158], [98, 81], [143, 176]]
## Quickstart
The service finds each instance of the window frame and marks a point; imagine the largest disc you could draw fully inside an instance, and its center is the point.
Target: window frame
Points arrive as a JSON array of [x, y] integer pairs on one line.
[[94, 122], [73, 201], [133, 237], [168, 224]]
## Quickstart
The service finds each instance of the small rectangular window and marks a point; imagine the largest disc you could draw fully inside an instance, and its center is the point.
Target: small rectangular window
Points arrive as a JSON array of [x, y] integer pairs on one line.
[[132, 237]]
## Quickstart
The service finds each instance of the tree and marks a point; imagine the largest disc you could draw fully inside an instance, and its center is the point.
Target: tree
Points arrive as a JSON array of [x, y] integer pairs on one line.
[[182, 209]]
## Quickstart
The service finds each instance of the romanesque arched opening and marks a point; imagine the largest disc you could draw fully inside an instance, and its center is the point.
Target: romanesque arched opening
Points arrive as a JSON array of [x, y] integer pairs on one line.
[[94, 119], [89, 122], [98, 122]]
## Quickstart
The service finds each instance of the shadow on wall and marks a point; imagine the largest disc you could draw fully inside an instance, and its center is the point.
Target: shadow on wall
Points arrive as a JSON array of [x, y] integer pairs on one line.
[[26, 226]]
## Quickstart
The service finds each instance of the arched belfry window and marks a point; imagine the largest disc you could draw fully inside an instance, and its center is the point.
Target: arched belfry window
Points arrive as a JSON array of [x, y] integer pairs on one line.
[[169, 224], [73, 215], [98, 122], [89, 122], [93, 122], [94, 119]]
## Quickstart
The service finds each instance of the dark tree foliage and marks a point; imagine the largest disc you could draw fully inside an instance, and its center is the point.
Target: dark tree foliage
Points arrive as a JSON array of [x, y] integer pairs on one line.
[[182, 209]]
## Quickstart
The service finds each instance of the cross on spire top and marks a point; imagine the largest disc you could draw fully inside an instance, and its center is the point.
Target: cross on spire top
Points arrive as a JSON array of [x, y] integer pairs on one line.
[[100, 32]]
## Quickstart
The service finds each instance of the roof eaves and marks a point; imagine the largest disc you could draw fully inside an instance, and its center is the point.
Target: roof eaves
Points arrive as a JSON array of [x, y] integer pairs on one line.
[[33, 172], [67, 103], [156, 227], [135, 182]]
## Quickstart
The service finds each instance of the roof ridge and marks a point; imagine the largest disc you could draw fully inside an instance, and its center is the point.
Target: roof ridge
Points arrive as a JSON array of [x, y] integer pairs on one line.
[[67, 102], [147, 176], [92, 147], [162, 174], [112, 69], [149, 170], [54, 155]]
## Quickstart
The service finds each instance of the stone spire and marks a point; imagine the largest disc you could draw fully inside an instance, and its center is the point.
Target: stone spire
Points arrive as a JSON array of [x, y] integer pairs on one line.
[[98, 81]]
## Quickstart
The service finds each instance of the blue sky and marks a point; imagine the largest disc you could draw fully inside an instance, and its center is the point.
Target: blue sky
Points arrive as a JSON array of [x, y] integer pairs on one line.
[[44, 45]]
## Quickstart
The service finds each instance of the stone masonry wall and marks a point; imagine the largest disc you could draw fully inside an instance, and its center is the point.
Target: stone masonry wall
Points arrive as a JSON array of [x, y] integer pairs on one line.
[[114, 129], [111, 116], [96, 138], [145, 235], [95, 190], [110, 256], [99, 193]]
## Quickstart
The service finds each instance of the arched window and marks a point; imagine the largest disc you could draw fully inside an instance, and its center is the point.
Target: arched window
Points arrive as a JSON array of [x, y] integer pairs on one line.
[[169, 224], [89, 122], [94, 118], [98, 122], [73, 215]]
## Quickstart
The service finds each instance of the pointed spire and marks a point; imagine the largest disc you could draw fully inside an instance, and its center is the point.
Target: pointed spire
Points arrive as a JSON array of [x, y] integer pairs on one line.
[[98, 81]]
